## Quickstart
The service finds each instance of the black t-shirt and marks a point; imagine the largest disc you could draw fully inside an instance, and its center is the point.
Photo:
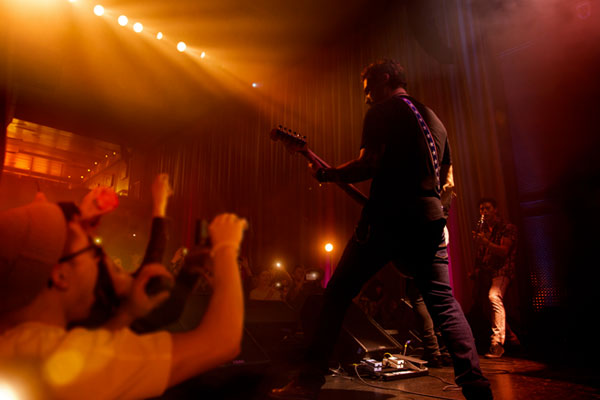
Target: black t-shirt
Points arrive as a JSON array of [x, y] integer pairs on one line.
[[404, 184]]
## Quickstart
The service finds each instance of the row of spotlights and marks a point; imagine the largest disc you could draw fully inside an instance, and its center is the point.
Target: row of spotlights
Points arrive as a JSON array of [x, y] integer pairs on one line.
[[138, 27]]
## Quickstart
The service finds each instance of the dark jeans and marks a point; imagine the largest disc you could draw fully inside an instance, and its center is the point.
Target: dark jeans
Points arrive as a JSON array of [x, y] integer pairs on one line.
[[420, 249], [430, 342]]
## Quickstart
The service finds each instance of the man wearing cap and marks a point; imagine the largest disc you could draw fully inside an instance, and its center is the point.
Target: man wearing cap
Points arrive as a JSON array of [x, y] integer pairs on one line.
[[50, 270]]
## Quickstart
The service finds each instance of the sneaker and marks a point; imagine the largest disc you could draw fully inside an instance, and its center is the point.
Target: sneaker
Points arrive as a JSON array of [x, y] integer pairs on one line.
[[295, 391], [496, 351], [477, 391]]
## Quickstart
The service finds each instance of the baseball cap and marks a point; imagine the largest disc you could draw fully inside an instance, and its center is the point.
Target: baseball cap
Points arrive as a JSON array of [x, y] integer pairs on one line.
[[32, 239]]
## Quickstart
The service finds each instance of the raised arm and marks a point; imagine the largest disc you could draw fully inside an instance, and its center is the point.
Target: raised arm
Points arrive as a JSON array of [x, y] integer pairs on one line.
[[161, 191], [217, 338]]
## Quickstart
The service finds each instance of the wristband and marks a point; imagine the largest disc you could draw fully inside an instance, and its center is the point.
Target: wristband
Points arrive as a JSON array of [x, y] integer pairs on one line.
[[221, 245]]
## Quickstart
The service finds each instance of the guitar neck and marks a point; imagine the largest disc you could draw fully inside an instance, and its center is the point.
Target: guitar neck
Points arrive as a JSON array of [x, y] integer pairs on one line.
[[350, 189]]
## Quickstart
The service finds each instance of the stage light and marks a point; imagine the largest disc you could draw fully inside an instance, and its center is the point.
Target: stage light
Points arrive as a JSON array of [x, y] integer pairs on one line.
[[159, 35], [98, 240], [114, 153], [203, 55], [181, 46], [122, 20], [312, 276], [138, 27], [72, 1], [254, 84], [329, 247], [278, 265], [7, 392], [95, 162], [134, 235], [99, 10], [89, 170], [106, 156]]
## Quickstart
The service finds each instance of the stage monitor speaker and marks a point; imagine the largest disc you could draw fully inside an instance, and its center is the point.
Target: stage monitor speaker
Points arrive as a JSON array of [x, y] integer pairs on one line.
[[361, 336], [271, 323], [251, 355]]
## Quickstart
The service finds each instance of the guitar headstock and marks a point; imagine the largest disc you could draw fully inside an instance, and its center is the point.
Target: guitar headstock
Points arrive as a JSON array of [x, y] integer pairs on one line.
[[292, 140]]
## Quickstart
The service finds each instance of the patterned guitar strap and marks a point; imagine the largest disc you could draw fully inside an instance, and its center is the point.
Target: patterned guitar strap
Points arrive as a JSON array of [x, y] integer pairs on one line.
[[433, 155]]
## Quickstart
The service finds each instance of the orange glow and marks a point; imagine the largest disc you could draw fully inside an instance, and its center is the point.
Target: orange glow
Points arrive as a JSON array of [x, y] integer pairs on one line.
[[328, 247], [203, 55], [63, 367], [159, 35], [18, 161], [40, 165], [99, 10], [55, 168], [181, 46], [138, 27], [122, 20]]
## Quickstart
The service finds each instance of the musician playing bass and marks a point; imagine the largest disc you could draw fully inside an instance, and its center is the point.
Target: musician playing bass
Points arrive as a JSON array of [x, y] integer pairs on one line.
[[404, 151], [496, 241]]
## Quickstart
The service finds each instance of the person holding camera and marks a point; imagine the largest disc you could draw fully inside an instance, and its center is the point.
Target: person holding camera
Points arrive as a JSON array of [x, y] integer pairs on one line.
[[52, 272]]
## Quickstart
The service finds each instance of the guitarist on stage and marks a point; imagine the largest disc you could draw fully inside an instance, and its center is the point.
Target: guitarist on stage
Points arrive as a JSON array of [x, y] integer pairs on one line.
[[496, 241], [404, 150]]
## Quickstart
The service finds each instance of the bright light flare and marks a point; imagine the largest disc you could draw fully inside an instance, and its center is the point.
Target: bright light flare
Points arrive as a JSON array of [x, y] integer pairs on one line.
[[278, 265], [202, 55], [329, 247], [138, 27], [98, 240], [159, 35], [122, 20], [181, 46], [7, 392], [99, 10]]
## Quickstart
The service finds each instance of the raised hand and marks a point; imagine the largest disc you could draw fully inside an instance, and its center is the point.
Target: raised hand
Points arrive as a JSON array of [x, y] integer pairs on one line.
[[227, 230]]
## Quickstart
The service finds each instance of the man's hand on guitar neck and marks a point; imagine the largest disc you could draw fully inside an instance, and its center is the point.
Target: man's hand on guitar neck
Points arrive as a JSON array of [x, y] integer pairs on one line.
[[319, 172]]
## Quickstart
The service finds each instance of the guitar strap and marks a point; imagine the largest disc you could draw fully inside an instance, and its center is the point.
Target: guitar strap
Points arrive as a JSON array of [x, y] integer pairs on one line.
[[433, 155]]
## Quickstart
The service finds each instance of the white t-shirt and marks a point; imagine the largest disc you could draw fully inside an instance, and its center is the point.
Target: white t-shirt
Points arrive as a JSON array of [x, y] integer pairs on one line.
[[51, 362]]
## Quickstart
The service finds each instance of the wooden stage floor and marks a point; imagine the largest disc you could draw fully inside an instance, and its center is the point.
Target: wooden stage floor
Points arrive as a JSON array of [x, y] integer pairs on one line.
[[511, 377]]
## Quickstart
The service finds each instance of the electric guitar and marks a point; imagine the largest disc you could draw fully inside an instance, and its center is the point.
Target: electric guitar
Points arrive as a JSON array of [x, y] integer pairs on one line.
[[297, 144]]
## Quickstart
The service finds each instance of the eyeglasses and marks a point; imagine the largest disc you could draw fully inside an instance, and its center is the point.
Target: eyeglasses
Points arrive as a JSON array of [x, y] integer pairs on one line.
[[98, 252]]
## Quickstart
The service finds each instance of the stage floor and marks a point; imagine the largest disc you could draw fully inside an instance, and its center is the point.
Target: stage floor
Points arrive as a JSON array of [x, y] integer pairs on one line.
[[511, 377]]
